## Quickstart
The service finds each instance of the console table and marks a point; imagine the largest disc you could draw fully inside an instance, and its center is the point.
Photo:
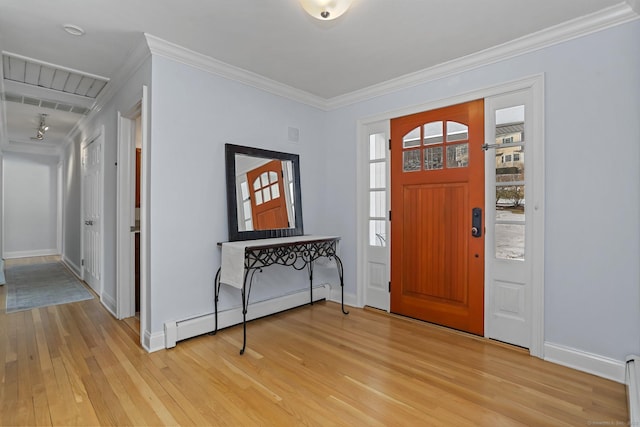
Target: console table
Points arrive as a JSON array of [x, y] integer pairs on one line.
[[241, 260]]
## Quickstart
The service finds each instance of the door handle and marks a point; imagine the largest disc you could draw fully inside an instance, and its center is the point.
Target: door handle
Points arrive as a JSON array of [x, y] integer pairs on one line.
[[476, 222]]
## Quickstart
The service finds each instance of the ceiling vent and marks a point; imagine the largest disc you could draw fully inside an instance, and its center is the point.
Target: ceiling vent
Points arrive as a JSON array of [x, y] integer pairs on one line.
[[44, 103], [41, 74]]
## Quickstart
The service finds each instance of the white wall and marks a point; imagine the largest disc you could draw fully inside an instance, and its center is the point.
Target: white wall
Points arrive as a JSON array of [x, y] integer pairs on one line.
[[30, 205], [194, 114], [592, 235]]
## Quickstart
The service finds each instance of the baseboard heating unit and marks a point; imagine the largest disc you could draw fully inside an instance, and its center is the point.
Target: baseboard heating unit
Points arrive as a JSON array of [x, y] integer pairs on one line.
[[633, 389], [188, 328]]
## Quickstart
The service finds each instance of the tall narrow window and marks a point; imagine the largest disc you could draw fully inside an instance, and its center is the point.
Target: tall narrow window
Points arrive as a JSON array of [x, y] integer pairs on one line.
[[510, 184], [377, 190]]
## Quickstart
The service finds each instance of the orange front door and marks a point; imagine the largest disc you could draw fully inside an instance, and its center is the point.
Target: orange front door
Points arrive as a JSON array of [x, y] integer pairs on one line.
[[268, 205], [437, 179]]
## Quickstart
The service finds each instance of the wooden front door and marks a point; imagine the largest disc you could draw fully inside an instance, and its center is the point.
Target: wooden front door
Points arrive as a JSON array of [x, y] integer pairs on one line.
[[268, 202], [437, 179]]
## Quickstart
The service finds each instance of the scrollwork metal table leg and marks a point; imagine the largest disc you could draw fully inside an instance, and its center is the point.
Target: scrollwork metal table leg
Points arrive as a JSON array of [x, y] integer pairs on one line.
[[216, 294], [244, 321], [310, 267], [341, 274], [246, 291]]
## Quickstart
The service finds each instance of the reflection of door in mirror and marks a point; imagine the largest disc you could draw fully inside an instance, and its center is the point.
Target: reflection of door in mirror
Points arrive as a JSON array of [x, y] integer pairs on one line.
[[268, 206]]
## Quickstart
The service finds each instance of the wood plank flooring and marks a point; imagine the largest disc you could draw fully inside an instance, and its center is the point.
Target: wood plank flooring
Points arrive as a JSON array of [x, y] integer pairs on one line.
[[75, 364]]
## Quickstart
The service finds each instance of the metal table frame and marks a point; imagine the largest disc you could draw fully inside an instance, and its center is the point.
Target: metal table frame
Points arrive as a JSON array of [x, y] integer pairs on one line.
[[297, 254]]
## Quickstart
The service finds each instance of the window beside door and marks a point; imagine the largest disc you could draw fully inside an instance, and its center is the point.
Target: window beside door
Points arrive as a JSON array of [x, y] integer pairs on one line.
[[377, 190], [510, 183]]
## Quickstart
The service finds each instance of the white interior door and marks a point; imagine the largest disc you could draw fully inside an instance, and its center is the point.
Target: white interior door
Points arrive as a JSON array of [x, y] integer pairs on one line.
[[377, 245], [92, 213]]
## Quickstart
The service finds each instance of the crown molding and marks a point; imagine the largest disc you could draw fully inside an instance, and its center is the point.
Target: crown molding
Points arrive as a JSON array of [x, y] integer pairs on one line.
[[588, 24], [205, 63]]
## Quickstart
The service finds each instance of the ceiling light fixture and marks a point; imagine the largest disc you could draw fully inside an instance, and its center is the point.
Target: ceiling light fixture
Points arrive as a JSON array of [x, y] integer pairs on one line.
[[325, 10], [74, 30]]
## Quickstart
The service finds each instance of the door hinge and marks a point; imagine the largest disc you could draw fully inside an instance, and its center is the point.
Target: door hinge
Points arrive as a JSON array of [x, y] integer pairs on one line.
[[389, 215], [81, 262], [389, 285], [389, 144]]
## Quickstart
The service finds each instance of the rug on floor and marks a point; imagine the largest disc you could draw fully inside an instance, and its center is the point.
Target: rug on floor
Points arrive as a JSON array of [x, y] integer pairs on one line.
[[42, 285]]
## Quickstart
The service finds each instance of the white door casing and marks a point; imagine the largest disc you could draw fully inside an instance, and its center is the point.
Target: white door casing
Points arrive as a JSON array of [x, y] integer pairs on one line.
[[92, 178], [534, 302], [126, 213]]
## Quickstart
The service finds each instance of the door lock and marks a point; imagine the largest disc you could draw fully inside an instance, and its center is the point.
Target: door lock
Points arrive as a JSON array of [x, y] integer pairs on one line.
[[476, 222]]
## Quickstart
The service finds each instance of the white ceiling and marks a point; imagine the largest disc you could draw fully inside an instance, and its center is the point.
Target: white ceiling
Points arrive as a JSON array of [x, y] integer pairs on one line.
[[375, 41]]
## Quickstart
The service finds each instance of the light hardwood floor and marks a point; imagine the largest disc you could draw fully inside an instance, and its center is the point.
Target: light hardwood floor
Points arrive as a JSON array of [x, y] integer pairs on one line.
[[75, 364]]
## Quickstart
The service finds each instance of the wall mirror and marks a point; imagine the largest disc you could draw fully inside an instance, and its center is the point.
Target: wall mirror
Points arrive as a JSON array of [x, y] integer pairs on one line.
[[263, 193]]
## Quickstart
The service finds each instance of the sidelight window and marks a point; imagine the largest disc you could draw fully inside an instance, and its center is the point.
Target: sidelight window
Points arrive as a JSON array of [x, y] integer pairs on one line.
[[510, 183], [378, 186]]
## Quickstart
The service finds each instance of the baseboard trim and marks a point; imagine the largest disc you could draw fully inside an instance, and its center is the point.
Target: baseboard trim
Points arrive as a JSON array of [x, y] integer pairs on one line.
[[349, 299], [153, 342], [28, 254], [109, 303], [586, 362], [73, 267], [175, 331]]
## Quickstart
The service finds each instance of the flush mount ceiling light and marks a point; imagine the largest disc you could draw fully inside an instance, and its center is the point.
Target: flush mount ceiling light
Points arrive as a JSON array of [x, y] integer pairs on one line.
[[74, 30], [325, 10]]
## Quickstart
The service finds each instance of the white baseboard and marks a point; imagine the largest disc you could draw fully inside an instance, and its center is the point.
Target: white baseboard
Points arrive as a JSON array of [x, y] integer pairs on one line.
[[109, 303], [180, 330], [633, 389], [73, 267], [349, 299], [153, 342], [28, 254], [587, 362]]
